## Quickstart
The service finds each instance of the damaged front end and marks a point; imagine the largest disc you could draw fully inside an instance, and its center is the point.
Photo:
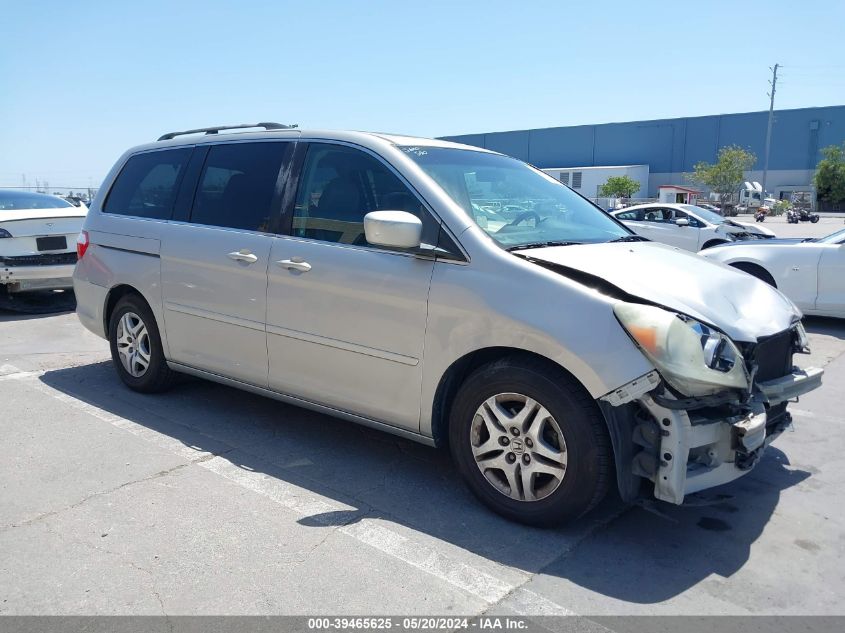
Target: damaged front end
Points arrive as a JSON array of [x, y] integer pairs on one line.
[[721, 343], [707, 413]]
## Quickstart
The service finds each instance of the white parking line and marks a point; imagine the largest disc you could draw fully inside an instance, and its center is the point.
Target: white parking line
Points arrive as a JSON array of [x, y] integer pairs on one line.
[[526, 602], [10, 372], [309, 504], [306, 503]]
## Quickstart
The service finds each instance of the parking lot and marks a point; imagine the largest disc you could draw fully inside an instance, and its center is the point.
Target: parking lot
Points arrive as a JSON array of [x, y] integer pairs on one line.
[[825, 226], [208, 500]]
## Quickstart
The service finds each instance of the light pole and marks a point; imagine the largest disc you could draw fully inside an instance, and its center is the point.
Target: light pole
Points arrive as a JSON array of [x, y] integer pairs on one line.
[[774, 82]]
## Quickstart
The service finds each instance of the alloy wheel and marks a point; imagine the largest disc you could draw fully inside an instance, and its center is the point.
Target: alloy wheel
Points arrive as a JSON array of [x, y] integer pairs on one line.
[[133, 344], [518, 446]]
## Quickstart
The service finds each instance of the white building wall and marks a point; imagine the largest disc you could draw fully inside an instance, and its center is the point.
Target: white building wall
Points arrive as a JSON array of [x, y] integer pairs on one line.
[[592, 178]]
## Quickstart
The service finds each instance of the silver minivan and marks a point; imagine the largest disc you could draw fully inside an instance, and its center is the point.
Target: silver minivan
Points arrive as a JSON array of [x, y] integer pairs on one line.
[[445, 293]]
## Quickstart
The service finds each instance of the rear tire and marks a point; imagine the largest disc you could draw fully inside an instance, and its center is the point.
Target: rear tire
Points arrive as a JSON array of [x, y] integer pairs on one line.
[[136, 348], [551, 467], [756, 271], [713, 243]]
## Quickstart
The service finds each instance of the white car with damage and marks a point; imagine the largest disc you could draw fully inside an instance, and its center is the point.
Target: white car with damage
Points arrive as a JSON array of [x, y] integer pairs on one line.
[[37, 241], [687, 226]]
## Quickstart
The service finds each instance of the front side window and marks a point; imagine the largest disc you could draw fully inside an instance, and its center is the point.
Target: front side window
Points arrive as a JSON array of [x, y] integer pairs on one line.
[[237, 187], [683, 215], [339, 186], [512, 202], [146, 186], [630, 215], [706, 214]]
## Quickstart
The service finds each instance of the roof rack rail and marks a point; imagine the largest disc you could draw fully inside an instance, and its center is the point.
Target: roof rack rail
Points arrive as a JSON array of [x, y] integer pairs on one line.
[[215, 130]]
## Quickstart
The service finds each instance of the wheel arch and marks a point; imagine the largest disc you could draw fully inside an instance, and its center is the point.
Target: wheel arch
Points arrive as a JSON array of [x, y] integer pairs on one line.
[[454, 376], [755, 269], [713, 242], [459, 370], [115, 294]]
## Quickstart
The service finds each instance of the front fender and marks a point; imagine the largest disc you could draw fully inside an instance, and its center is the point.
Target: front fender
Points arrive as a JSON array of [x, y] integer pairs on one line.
[[518, 305]]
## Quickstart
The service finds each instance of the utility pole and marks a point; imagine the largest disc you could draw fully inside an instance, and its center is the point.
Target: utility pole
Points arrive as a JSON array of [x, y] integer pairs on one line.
[[774, 82]]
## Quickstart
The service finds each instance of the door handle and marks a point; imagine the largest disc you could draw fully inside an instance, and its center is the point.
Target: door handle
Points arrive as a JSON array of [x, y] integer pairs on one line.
[[243, 255], [295, 264]]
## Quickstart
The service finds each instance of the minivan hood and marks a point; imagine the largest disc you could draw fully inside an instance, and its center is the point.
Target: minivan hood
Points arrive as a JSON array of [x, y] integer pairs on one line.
[[740, 305]]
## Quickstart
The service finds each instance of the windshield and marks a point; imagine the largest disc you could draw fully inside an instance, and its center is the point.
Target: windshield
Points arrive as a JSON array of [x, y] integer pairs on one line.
[[512, 202], [18, 200], [705, 214], [833, 238]]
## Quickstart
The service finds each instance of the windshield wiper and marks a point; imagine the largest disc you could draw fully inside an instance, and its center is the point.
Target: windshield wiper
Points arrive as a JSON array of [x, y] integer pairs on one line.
[[630, 238], [520, 247]]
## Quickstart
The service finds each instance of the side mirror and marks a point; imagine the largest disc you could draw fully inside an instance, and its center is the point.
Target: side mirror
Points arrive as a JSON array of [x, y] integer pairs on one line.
[[395, 229], [682, 222]]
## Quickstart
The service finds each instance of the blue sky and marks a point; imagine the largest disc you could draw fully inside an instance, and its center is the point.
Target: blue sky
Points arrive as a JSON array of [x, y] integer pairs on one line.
[[83, 81]]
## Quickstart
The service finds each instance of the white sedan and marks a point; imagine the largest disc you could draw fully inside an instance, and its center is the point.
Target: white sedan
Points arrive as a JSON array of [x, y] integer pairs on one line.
[[37, 241], [687, 226], [811, 272]]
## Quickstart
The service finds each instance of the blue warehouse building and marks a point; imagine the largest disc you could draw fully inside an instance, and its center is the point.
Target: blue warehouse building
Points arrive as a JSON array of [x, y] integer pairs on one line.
[[671, 147]]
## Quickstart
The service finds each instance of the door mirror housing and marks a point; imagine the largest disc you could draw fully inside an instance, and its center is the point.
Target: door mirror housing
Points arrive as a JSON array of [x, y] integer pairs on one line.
[[394, 229], [682, 222]]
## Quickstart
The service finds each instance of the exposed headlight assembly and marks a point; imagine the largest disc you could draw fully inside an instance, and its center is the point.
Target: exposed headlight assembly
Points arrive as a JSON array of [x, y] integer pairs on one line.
[[694, 358]]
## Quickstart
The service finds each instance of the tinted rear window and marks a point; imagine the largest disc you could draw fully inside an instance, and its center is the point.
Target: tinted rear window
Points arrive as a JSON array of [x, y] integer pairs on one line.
[[147, 184], [238, 185]]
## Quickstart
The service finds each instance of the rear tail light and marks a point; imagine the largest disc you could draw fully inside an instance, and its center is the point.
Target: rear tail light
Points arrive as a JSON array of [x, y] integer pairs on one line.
[[81, 244]]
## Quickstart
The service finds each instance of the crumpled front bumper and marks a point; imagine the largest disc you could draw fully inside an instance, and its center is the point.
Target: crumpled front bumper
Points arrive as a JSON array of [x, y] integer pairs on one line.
[[690, 452], [799, 382]]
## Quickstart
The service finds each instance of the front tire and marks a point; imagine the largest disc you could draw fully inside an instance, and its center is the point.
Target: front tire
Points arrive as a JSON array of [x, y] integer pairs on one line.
[[530, 442], [136, 348]]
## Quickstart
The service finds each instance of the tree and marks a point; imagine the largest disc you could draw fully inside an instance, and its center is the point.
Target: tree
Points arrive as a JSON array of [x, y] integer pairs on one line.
[[829, 178], [726, 174], [619, 187]]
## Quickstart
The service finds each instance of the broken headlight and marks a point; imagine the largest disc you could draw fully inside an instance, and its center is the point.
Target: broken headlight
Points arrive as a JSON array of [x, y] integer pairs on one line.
[[694, 358]]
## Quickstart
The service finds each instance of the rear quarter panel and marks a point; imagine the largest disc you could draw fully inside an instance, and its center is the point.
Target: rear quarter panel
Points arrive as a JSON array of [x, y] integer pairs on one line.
[[125, 251]]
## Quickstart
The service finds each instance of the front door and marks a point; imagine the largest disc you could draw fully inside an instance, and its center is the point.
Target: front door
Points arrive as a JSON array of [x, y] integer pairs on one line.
[[214, 267], [688, 237], [658, 224], [346, 320]]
